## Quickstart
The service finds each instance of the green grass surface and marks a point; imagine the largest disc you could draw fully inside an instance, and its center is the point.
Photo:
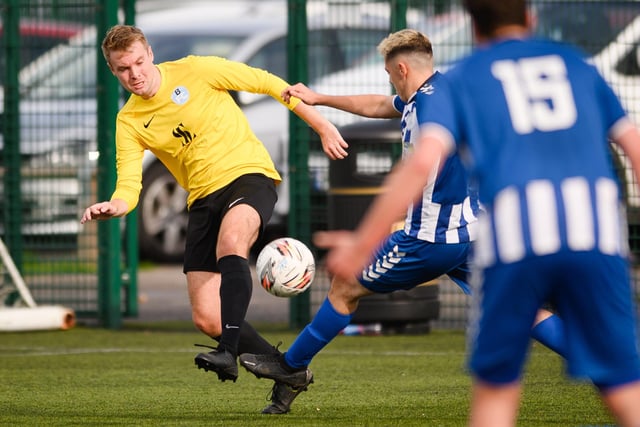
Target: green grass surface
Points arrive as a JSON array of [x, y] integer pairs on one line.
[[145, 376]]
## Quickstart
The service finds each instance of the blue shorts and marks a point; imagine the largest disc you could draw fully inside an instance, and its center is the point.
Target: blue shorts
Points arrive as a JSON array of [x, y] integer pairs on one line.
[[590, 292], [404, 262]]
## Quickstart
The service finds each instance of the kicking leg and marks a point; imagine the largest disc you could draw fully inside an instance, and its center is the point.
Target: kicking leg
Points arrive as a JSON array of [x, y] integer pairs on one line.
[[290, 371]]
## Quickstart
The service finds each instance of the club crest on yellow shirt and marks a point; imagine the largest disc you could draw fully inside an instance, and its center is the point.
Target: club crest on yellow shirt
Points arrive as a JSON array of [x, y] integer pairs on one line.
[[180, 95]]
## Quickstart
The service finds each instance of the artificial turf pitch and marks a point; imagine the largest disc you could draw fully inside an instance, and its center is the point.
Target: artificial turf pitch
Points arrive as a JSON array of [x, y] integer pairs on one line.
[[144, 375]]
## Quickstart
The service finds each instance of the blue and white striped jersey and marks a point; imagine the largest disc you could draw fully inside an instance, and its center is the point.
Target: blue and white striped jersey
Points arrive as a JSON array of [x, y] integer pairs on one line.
[[448, 210], [534, 118]]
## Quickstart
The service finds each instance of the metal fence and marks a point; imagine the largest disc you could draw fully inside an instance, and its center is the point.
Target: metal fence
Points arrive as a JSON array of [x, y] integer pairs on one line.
[[337, 198], [607, 31], [51, 162], [59, 104]]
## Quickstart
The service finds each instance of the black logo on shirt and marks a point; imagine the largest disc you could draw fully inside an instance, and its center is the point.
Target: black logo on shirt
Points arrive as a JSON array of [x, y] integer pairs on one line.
[[181, 132], [146, 125]]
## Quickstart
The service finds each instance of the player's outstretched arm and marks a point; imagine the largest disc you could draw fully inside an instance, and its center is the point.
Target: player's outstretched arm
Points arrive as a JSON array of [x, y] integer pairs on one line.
[[373, 106], [304, 93], [105, 210], [334, 146]]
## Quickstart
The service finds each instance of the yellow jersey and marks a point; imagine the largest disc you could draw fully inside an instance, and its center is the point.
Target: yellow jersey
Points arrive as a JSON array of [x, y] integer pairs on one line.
[[194, 127]]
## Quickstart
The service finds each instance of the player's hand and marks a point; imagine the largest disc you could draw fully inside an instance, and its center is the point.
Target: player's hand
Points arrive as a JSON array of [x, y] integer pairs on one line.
[[299, 90], [344, 259], [102, 210], [333, 145]]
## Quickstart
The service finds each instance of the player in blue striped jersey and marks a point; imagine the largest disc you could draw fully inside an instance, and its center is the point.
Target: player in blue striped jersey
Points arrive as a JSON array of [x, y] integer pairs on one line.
[[439, 226], [533, 119]]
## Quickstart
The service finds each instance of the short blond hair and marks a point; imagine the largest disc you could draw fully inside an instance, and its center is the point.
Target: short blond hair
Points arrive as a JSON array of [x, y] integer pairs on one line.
[[405, 41], [121, 37]]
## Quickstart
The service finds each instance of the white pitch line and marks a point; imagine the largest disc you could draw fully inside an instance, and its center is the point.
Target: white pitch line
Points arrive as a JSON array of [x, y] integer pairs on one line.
[[41, 351]]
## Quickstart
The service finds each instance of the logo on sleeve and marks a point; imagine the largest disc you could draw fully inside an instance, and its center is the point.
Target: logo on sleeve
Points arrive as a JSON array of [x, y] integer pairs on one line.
[[427, 89]]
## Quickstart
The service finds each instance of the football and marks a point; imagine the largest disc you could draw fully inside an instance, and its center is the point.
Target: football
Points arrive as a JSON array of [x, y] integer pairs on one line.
[[285, 267]]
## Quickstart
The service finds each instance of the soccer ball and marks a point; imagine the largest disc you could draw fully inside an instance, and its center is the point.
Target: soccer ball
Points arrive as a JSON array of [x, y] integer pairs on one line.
[[285, 267]]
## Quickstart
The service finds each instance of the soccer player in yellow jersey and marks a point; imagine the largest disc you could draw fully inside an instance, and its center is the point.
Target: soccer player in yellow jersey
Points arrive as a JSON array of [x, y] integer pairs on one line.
[[183, 113]]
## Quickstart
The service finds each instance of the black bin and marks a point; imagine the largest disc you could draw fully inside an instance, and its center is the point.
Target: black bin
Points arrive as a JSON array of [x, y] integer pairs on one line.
[[374, 146], [354, 181]]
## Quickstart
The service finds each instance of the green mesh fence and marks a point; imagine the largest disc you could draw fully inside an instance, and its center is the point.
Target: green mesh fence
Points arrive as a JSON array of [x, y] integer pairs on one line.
[[340, 192], [607, 31], [52, 165], [45, 179], [49, 152]]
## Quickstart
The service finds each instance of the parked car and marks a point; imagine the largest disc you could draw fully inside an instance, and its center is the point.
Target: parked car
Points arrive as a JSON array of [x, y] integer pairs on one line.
[[58, 105]]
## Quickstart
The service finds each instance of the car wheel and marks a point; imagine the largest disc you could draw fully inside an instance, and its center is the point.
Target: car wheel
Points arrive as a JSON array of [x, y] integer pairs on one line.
[[162, 216]]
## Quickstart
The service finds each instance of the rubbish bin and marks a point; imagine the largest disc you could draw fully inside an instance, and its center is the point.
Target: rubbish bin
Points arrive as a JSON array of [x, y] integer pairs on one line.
[[374, 146], [355, 181]]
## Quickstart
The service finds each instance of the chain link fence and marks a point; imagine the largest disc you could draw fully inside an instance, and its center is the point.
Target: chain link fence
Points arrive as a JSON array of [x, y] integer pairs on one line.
[[608, 33], [52, 163], [49, 157]]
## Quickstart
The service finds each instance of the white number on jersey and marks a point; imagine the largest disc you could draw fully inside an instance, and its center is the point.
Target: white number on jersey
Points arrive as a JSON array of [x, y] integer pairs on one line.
[[538, 93]]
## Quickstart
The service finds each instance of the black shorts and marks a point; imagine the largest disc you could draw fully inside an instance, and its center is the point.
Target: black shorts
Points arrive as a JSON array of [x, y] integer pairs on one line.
[[205, 217]]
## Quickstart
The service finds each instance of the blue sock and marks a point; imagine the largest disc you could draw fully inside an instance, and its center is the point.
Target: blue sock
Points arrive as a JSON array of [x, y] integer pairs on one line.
[[324, 327], [550, 332]]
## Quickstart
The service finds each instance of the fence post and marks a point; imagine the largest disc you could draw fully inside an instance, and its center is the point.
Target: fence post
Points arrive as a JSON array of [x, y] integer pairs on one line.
[[12, 222], [130, 281], [109, 247], [299, 135], [398, 15]]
